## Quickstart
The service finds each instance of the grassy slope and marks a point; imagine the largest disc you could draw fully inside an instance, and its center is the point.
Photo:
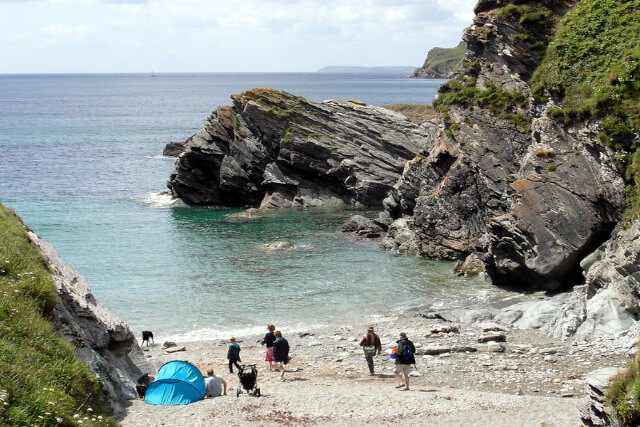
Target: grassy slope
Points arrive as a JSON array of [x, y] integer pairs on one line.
[[593, 66], [41, 381], [440, 58]]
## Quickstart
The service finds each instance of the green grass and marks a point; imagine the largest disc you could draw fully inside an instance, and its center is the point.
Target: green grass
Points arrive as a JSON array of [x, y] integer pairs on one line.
[[501, 103], [593, 66], [41, 380], [624, 389], [440, 60]]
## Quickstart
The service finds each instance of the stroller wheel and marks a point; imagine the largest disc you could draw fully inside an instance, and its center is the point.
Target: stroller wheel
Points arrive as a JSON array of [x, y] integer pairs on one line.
[[257, 392]]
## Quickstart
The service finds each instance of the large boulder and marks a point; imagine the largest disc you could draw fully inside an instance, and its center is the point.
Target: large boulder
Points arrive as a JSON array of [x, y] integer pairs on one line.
[[272, 149]]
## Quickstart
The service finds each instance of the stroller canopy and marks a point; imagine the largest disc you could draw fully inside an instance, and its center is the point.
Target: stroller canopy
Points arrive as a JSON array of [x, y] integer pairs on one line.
[[177, 383]]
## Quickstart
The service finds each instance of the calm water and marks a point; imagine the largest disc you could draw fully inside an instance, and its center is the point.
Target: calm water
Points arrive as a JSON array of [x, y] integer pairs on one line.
[[80, 162]]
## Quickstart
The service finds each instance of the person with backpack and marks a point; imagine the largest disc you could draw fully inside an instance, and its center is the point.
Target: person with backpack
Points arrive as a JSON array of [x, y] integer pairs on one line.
[[371, 345], [404, 359], [280, 353]]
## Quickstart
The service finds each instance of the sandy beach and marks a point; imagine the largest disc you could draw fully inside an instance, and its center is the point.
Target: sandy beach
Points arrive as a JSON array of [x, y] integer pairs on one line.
[[528, 380]]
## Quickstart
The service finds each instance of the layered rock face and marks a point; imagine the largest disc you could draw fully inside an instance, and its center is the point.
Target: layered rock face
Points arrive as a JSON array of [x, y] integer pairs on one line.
[[609, 301], [273, 149], [101, 339], [529, 196]]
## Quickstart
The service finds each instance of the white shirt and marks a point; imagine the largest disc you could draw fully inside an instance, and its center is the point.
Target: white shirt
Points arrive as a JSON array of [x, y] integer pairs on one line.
[[213, 385]]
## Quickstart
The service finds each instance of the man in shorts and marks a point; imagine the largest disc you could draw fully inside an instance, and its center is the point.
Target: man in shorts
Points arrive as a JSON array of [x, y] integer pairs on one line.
[[404, 359]]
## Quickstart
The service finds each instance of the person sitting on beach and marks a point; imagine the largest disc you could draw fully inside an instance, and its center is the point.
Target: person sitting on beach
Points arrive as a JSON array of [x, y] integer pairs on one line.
[[215, 384], [280, 353], [233, 354], [371, 345], [268, 340]]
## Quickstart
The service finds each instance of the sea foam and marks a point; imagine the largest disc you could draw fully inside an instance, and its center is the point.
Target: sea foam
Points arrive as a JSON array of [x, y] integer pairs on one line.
[[161, 199]]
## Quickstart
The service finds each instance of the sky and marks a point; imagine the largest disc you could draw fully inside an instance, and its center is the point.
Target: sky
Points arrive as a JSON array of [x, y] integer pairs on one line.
[[94, 36]]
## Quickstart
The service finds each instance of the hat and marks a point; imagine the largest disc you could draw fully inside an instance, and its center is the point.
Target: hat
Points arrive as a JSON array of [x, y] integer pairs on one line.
[[403, 334], [370, 328]]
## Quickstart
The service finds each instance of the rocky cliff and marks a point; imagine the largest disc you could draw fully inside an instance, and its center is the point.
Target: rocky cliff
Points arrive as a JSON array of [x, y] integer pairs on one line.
[[103, 341], [505, 177], [273, 149], [441, 63], [530, 196]]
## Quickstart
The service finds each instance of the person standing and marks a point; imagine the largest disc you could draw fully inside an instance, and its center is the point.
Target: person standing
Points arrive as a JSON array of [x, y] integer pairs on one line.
[[215, 384], [233, 354], [371, 345], [268, 340], [280, 352], [404, 359]]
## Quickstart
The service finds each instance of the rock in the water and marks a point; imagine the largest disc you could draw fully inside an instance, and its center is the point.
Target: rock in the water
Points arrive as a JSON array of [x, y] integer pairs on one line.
[[173, 149], [273, 149]]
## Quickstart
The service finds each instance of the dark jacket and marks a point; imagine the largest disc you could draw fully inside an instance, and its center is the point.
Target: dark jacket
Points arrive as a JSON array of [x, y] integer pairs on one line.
[[280, 350], [269, 338], [373, 339], [402, 345], [234, 352]]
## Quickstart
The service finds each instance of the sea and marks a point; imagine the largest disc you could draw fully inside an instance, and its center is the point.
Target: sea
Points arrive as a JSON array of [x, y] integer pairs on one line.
[[81, 162]]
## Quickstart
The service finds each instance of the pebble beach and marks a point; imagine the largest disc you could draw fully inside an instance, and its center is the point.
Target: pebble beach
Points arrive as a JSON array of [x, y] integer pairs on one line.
[[466, 375]]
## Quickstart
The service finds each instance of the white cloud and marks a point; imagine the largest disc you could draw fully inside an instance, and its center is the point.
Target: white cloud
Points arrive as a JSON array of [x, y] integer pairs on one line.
[[232, 35]]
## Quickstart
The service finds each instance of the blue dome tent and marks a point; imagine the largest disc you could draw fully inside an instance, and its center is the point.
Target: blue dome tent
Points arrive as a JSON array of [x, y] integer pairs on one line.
[[177, 383]]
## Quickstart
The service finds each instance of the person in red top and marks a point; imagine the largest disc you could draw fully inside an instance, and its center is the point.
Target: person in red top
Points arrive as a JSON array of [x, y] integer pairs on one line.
[[371, 345]]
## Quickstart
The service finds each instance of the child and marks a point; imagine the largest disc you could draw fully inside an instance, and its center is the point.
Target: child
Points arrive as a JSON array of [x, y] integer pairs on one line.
[[233, 354]]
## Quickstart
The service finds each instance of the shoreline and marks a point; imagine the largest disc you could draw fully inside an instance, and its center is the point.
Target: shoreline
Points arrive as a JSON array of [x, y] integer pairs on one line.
[[527, 379]]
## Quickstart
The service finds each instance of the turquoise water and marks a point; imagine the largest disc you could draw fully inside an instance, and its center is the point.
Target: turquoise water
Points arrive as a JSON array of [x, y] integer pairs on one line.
[[80, 162]]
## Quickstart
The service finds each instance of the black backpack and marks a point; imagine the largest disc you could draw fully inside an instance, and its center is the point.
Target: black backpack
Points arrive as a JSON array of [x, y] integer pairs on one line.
[[405, 351]]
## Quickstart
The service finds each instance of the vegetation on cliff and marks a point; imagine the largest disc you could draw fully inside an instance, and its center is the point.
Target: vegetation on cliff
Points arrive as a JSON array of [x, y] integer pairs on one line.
[[441, 61], [41, 380], [593, 66], [623, 395]]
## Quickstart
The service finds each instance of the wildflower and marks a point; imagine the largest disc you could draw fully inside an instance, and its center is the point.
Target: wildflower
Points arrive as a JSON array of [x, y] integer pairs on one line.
[[89, 409], [76, 416], [59, 420]]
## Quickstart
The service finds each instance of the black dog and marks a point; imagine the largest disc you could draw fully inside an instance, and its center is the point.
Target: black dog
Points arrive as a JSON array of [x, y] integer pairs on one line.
[[146, 336]]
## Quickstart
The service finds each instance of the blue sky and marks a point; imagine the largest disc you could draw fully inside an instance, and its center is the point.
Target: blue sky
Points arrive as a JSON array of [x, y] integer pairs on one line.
[[76, 36]]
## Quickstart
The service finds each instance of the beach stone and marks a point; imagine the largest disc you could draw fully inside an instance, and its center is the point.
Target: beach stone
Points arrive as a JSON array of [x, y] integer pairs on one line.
[[433, 350], [175, 349], [491, 326], [494, 337], [168, 344], [463, 349], [495, 347]]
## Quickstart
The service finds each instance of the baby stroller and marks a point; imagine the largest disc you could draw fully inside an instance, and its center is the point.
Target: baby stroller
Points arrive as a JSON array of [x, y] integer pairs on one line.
[[248, 376]]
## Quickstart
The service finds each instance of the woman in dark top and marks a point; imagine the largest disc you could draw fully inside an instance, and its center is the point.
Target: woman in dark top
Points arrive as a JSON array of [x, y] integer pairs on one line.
[[268, 340], [280, 353]]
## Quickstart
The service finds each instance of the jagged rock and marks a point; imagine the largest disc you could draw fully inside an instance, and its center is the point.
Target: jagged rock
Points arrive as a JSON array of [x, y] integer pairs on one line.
[[273, 149], [471, 266], [173, 149], [608, 302], [103, 341], [486, 188], [591, 406], [362, 226]]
